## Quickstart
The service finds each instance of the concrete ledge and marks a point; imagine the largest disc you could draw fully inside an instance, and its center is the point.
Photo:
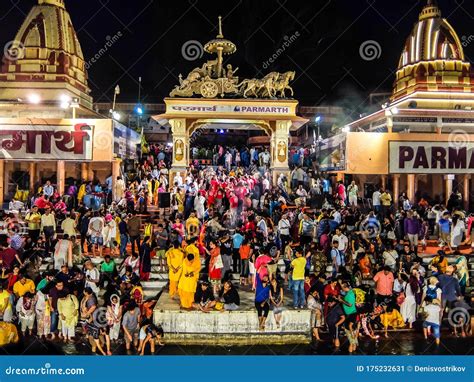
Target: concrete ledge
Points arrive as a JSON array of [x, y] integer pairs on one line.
[[237, 339], [233, 328]]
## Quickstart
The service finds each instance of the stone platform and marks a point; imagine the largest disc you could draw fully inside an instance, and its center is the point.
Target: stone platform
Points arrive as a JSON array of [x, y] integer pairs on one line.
[[231, 328]]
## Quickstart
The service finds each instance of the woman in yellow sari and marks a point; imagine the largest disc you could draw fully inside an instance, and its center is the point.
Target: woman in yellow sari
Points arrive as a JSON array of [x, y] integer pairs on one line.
[[81, 192], [156, 188], [150, 191], [391, 317], [174, 259], [189, 278]]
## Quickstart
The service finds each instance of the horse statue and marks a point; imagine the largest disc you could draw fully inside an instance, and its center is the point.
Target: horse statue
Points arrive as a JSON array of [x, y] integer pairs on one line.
[[283, 82], [258, 87]]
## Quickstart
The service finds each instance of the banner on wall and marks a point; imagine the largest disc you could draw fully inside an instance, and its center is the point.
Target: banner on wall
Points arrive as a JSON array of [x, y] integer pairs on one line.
[[231, 108], [412, 157], [46, 142], [125, 142]]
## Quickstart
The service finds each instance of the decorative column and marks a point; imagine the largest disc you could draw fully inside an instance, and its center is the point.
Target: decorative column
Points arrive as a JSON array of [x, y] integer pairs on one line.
[[279, 149], [115, 174], [84, 171], [61, 176], [448, 179], [32, 174], [180, 146], [2, 181], [411, 187], [466, 191], [389, 123], [383, 181], [396, 188]]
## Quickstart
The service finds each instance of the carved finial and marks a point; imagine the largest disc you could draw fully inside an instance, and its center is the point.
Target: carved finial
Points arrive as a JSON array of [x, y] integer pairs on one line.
[[220, 35]]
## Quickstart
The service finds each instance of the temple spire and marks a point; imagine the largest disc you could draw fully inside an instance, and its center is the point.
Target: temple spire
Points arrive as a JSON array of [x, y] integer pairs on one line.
[[57, 3], [220, 35], [430, 10]]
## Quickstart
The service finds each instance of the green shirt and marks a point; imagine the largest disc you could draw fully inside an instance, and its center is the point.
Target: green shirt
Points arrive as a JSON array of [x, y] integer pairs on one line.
[[42, 284], [108, 267], [350, 298]]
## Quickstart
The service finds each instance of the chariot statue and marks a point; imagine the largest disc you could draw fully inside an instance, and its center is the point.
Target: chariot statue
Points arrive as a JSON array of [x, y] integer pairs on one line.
[[212, 79]]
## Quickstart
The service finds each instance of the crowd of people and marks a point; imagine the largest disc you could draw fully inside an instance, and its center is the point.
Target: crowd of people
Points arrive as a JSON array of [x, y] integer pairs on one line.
[[302, 243]]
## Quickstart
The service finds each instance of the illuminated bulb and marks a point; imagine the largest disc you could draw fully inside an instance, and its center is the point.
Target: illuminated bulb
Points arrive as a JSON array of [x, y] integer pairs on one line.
[[34, 99]]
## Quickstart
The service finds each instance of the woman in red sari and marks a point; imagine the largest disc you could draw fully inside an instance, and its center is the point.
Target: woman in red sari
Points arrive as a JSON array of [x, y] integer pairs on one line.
[[332, 289], [215, 266]]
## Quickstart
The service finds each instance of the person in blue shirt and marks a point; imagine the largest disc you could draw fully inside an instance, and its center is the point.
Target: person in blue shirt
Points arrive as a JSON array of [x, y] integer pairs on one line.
[[262, 296], [444, 230], [237, 240]]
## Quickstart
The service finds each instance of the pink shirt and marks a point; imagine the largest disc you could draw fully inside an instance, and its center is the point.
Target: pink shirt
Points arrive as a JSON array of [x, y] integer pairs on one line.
[[384, 283]]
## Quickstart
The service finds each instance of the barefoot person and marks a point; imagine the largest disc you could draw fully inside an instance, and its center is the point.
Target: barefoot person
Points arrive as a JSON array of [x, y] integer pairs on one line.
[[262, 297], [150, 334], [188, 282], [174, 258], [431, 324]]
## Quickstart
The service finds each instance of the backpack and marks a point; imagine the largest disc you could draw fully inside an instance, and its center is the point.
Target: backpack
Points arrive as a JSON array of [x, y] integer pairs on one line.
[[432, 292]]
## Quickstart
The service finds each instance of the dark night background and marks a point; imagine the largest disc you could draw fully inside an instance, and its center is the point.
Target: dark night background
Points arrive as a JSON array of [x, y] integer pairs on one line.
[[325, 56]]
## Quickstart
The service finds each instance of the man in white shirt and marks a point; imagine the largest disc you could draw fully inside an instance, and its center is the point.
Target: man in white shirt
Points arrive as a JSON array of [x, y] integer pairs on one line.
[[48, 189], [266, 158], [96, 225], [336, 216], [262, 227], [178, 180], [342, 240], [92, 276], [376, 201], [302, 195], [390, 257]]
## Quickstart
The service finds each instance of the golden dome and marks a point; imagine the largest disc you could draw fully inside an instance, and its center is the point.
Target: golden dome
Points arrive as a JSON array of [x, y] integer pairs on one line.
[[46, 56], [433, 57], [432, 38]]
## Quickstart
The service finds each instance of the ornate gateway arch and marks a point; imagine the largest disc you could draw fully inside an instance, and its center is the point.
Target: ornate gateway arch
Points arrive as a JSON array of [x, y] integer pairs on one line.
[[212, 94]]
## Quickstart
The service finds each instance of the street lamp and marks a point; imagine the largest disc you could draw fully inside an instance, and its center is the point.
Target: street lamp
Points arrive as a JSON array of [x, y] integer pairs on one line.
[[318, 120]]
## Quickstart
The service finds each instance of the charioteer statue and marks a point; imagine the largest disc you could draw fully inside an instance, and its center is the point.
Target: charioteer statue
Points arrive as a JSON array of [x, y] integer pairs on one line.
[[212, 79]]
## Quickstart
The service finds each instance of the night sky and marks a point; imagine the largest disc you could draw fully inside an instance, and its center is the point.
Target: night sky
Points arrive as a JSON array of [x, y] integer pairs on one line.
[[327, 36]]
